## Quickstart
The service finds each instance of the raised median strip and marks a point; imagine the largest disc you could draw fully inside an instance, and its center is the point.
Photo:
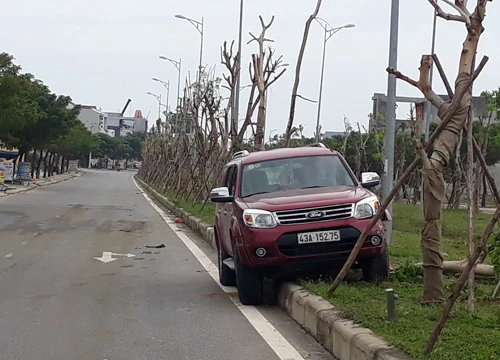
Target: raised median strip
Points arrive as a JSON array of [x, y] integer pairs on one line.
[[317, 316]]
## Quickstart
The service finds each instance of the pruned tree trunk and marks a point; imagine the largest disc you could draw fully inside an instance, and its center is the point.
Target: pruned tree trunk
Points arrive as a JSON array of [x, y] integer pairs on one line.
[[39, 164], [45, 165], [33, 163], [288, 133]]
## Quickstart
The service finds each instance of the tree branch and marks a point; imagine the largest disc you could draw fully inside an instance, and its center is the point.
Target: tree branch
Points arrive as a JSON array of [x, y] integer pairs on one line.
[[423, 84], [445, 15]]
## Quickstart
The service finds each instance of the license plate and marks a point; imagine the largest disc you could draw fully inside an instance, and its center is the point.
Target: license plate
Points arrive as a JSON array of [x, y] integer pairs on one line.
[[319, 237]]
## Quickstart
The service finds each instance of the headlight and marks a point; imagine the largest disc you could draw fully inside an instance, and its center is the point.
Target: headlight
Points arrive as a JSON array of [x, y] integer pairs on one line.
[[366, 208], [259, 219]]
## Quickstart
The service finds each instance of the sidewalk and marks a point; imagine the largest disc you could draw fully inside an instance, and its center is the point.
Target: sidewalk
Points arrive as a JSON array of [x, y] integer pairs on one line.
[[17, 188]]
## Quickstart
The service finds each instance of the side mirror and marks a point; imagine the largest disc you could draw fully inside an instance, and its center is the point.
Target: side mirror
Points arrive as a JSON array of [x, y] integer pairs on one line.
[[370, 179], [221, 195]]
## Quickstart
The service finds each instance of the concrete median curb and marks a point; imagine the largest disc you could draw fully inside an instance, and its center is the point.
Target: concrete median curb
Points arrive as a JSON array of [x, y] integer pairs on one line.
[[342, 337], [39, 183]]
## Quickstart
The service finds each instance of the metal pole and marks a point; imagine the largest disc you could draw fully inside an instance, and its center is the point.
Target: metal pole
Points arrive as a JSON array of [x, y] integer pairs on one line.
[[390, 127], [201, 50], [177, 103], [321, 85], [159, 107], [168, 95], [236, 101]]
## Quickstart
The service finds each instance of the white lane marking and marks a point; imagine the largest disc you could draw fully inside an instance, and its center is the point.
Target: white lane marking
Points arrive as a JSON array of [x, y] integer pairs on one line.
[[283, 349], [107, 256], [9, 256]]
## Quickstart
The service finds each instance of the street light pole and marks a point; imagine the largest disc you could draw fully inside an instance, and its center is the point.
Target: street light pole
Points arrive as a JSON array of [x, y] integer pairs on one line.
[[158, 98], [390, 126], [200, 27], [236, 101], [177, 65], [329, 32], [166, 85]]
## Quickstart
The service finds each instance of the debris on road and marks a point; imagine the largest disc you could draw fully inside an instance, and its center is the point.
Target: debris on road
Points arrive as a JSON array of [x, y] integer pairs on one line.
[[155, 246]]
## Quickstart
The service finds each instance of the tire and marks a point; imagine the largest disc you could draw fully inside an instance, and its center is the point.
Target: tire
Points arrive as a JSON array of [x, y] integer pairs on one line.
[[376, 269], [227, 277], [249, 283]]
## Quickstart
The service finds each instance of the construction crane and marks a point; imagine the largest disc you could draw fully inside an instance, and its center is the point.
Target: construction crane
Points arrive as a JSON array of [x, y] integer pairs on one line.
[[126, 106]]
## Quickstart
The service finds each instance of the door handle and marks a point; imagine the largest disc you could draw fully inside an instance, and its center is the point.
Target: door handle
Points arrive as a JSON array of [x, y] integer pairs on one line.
[[225, 212]]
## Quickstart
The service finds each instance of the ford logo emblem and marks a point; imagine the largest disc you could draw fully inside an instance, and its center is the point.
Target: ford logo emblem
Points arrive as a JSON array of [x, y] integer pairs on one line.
[[315, 214]]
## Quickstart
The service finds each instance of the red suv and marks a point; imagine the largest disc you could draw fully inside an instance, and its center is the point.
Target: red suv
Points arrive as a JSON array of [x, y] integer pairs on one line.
[[288, 211]]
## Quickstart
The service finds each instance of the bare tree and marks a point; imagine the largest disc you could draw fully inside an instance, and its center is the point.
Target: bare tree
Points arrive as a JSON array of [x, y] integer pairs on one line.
[[261, 63], [295, 90], [231, 62]]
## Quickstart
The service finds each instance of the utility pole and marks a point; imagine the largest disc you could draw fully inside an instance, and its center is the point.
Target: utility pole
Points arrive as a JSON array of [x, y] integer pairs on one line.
[[390, 118], [236, 101]]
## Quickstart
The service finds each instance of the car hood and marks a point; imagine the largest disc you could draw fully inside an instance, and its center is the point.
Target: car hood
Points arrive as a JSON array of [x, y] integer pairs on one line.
[[306, 198]]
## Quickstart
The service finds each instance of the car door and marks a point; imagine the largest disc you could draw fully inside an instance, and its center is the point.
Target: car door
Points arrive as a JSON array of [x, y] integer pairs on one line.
[[227, 208]]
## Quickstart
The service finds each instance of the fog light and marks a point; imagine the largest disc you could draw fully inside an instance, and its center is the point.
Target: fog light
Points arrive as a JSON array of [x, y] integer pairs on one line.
[[260, 252], [376, 240]]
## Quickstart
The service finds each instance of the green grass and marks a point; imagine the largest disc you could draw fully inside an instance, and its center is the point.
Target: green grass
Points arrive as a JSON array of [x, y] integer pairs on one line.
[[465, 337], [408, 221]]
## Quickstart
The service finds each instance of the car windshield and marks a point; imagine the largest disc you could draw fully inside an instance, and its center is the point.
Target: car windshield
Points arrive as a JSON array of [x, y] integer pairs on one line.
[[294, 173]]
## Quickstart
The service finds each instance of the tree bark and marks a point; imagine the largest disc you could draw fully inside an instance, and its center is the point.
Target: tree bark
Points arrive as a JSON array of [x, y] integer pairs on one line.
[[45, 165], [33, 162], [288, 133], [61, 170], [485, 191], [39, 164]]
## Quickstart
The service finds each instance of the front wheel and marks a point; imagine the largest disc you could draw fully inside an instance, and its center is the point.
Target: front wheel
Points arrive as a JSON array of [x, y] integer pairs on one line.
[[248, 282], [376, 269]]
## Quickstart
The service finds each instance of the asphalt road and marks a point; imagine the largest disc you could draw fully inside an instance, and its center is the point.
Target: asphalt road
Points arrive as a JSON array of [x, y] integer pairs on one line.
[[58, 302]]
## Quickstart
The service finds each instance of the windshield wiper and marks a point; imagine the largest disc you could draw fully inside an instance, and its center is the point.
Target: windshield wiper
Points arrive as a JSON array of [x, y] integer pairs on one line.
[[313, 187], [257, 193]]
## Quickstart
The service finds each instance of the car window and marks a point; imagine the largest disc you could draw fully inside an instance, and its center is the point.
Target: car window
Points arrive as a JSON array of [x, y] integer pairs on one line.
[[230, 179], [294, 173]]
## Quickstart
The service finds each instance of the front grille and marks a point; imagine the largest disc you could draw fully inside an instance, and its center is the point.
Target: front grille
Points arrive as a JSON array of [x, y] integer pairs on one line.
[[288, 245], [303, 216]]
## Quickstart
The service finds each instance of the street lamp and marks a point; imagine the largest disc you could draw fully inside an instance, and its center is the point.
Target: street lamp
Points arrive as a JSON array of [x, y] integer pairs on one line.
[[329, 32], [236, 101], [178, 65], [158, 98], [166, 85], [199, 26]]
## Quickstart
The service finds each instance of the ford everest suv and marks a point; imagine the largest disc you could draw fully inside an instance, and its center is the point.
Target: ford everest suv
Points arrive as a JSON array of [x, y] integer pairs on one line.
[[287, 211]]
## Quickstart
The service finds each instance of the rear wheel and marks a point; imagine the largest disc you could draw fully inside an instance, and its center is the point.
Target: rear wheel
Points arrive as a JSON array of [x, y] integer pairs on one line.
[[227, 276], [249, 283], [376, 269]]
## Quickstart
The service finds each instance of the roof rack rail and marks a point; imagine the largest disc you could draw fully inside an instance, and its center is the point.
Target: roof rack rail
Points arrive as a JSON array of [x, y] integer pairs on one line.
[[319, 144], [241, 154]]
